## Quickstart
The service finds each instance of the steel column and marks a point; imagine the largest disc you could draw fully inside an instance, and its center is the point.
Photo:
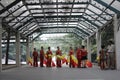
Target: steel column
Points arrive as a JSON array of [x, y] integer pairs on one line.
[[18, 54], [0, 46]]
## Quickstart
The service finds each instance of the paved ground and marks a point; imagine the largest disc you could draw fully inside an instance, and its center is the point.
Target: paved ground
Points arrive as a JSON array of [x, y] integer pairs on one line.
[[65, 73]]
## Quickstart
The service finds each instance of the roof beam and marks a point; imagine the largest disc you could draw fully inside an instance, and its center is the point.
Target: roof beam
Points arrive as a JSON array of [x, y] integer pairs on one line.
[[55, 12], [108, 6], [36, 36], [66, 16], [59, 15], [24, 23], [86, 7], [6, 26], [13, 12], [111, 15], [20, 21], [29, 21], [78, 36], [86, 30], [91, 22], [86, 33], [97, 14], [54, 21], [105, 9], [42, 10], [55, 27], [16, 17], [36, 30], [118, 0], [86, 26], [56, 8], [9, 13], [24, 28], [59, 3], [79, 33], [32, 31], [9, 6], [71, 10], [50, 32], [74, 27], [24, 2], [94, 18], [87, 23]]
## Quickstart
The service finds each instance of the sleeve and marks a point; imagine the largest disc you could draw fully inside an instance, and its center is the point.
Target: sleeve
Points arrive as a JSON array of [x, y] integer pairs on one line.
[[56, 52], [100, 52], [47, 52], [51, 52], [33, 54], [61, 53], [86, 52], [37, 54]]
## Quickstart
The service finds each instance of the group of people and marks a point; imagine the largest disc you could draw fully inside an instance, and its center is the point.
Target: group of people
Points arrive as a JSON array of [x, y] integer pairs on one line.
[[107, 56], [42, 56], [81, 55], [48, 57]]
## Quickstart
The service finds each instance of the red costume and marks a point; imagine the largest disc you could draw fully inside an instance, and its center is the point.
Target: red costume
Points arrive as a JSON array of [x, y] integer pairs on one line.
[[71, 61], [49, 58], [35, 57], [84, 54], [41, 57], [58, 60], [79, 57], [84, 57]]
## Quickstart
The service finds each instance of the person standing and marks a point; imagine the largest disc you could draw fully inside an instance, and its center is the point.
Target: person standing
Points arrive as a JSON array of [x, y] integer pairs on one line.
[[58, 54], [71, 52], [111, 55], [49, 57], [41, 56], [103, 56], [84, 56], [78, 55], [35, 58]]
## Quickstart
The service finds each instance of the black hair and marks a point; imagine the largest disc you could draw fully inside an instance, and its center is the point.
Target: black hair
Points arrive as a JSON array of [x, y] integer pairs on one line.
[[48, 47], [41, 47], [83, 47], [102, 46], [34, 48]]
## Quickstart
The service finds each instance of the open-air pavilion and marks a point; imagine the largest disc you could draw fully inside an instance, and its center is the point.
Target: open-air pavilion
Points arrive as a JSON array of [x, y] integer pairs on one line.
[[26, 20]]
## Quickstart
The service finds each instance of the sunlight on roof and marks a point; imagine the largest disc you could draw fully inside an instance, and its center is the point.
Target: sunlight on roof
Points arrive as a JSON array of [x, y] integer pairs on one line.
[[52, 35], [46, 36]]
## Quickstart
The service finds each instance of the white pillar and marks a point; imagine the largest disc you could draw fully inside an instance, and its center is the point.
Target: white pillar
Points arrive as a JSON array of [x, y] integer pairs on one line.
[[117, 42], [18, 54], [27, 50], [32, 46], [89, 48], [98, 41], [83, 42], [0, 46]]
